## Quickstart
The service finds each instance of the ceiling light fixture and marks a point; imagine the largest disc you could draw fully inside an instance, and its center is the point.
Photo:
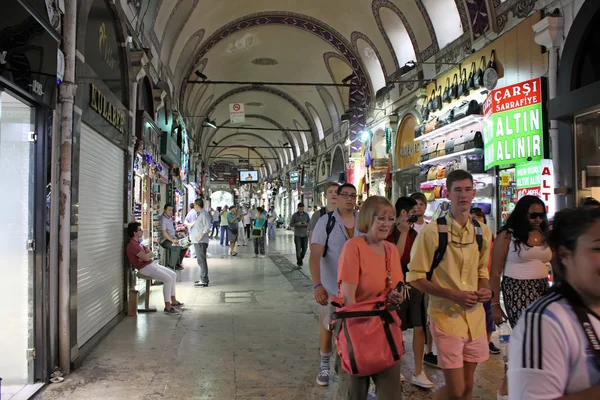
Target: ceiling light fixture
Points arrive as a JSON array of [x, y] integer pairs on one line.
[[201, 75], [348, 78], [210, 123]]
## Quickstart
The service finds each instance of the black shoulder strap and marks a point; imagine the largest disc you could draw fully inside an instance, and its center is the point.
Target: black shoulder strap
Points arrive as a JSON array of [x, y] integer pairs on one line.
[[443, 242], [329, 229], [323, 211], [438, 256]]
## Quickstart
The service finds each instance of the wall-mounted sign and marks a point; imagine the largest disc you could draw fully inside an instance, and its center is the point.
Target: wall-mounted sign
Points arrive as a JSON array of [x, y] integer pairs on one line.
[[294, 176], [408, 152], [529, 179], [547, 188], [514, 124], [109, 112], [237, 114], [60, 66]]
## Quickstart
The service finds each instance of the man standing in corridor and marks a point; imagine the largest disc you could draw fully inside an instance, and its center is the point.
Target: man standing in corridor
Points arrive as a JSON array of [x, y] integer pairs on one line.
[[199, 236], [329, 237], [169, 239], [449, 261], [300, 222]]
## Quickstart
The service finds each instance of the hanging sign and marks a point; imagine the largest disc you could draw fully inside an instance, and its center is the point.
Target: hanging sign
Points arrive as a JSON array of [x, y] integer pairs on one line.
[[529, 179], [547, 187], [514, 124], [237, 114], [294, 177]]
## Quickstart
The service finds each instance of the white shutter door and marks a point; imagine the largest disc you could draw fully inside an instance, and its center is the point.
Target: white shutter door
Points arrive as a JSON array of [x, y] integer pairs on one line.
[[100, 244]]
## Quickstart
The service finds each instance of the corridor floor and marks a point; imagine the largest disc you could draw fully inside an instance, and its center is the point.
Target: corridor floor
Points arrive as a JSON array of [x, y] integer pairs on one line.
[[252, 334]]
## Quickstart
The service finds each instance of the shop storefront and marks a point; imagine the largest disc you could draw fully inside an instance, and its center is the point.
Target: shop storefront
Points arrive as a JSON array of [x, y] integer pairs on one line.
[[577, 108], [407, 158], [28, 88], [102, 139]]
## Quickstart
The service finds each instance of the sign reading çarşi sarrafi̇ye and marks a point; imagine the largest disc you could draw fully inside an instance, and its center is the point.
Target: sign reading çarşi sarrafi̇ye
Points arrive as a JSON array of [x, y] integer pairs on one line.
[[513, 129]]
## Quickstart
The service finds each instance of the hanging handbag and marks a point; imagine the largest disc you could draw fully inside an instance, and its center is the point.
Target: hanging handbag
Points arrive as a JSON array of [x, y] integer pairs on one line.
[[473, 140], [437, 192], [453, 89], [460, 111], [429, 194], [437, 99], [420, 130], [444, 191], [368, 335], [462, 86], [257, 233], [450, 146], [431, 174], [474, 108], [485, 207], [440, 149], [440, 172], [483, 189], [471, 78], [423, 174], [459, 144], [492, 63], [475, 164], [446, 118], [446, 95], [425, 112], [432, 125], [479, 74], [431, 102]]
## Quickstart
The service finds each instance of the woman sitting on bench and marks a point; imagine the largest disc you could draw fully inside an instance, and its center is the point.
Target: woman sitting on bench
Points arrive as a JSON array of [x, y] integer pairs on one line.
[[143, 260]]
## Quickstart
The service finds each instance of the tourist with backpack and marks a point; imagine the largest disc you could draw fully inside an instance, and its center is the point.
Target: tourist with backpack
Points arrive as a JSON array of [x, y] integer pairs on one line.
[[332, 199], [329, 237], [366, 327], [449, 261], [412, 311]]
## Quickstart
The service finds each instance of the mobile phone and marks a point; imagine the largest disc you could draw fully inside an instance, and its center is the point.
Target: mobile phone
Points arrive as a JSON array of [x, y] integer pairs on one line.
[[413, 218]]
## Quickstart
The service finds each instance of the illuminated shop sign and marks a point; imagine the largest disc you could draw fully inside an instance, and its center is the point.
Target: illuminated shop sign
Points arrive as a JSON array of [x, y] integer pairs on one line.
[[514, 124]]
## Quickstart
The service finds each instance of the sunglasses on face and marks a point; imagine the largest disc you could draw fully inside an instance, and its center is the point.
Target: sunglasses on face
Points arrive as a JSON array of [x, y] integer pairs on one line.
[[536, 215]]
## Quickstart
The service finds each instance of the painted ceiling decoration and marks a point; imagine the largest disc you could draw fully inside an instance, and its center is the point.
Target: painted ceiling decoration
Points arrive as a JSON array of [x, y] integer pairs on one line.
[[270, 40]]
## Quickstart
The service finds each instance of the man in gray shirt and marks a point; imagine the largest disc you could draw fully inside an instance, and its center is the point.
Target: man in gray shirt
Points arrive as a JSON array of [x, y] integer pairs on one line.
[[300, 221], [169, 239]]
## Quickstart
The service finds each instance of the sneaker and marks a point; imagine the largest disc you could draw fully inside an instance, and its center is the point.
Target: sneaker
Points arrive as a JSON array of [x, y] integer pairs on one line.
[[201, 284], [172, 311], [494, 349], [372, 394], [255, 256], [402, 378], [261, 256], [431, 360], [323, 377], [421, 380]]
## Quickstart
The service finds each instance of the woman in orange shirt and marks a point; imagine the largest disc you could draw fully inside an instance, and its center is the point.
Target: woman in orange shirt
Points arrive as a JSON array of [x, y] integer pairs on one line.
[[362, 275]]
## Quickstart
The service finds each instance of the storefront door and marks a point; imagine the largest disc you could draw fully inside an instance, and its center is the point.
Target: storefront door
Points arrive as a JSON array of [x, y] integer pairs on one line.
[[17, 160]]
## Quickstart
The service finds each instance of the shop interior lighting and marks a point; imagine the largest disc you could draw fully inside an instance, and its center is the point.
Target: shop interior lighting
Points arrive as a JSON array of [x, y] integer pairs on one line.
[[210, 123], [365, 136]]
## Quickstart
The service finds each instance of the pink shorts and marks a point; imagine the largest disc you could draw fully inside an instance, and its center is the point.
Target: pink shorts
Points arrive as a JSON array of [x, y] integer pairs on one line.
[[454, 351]]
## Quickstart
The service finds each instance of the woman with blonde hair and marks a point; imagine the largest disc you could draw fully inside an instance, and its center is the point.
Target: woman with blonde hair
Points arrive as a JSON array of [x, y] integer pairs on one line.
[[369, 266]]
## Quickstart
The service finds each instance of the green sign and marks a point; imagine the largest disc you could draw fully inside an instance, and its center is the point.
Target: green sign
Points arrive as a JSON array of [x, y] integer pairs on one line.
[[294, 177], [529, 175], [514, 125]]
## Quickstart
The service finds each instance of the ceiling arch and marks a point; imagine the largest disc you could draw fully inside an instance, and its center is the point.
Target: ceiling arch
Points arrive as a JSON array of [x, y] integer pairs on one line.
[[234, 150]]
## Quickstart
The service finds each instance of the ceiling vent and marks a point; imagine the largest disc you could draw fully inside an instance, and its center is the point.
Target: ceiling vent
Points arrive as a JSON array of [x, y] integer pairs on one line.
[[265, 61]]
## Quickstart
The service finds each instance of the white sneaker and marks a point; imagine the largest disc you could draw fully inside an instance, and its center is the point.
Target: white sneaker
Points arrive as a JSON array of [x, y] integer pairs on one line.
[[261, 256], [500, 397], [402, 378], [421, 380]]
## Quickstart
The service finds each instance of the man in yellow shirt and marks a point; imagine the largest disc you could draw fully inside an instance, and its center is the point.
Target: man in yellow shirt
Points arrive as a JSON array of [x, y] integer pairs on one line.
[[458, 287]]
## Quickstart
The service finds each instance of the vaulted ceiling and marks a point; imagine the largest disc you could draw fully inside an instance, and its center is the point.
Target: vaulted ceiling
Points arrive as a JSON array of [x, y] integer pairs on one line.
[[308, 41]]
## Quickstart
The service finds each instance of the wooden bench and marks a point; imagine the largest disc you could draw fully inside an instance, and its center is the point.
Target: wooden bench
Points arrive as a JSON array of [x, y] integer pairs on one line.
[[147, 307]]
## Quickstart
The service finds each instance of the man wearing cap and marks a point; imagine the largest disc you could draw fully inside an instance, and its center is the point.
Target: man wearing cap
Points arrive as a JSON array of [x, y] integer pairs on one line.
[[300, 221]]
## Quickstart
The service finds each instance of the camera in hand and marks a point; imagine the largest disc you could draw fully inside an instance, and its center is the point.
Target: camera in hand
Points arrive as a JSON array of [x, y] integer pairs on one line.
[[413, 218]]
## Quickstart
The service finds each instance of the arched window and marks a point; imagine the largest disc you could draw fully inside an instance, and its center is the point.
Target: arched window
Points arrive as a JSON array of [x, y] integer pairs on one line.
[[331, 108], [302, 135], [398, 35], [445, 19], [296, 144], [371, 61]]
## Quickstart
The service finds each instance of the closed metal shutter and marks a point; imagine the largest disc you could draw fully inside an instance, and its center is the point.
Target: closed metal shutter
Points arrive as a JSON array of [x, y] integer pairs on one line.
[[100, 245]]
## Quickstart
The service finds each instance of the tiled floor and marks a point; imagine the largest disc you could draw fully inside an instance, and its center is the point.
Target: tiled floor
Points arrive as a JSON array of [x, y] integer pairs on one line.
[[251, 335]]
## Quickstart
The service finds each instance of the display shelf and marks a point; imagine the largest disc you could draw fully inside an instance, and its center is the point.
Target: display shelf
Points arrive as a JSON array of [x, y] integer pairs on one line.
[[453, 127], [439, 182], [451, 156]]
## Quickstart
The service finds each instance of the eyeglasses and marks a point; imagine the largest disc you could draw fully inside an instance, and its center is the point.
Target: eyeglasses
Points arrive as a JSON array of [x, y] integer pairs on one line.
[[348, 196], [536, 215], [382, 220]]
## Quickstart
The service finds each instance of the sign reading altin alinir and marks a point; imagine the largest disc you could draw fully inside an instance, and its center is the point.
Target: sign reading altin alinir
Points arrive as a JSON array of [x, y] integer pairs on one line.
[[514, 124]]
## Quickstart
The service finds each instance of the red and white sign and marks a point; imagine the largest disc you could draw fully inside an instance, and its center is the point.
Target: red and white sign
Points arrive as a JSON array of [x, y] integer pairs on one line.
[[237, 114], [547, 189], [519, 95], [532, 191]]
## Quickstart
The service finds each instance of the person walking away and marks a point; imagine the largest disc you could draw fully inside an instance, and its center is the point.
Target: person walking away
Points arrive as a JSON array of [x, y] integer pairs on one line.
[[331, 233], [554, 349], [142, 259], [169, 240], [331, 198], [258, 232], [521, 256], [490, 327], [216, 219], [456, 293], [412, 311], [429, 358], [363, 275], [247, 223], [300, 221], [188, 221], [271, 223], [200, 239], [233, 220], [224, 225]]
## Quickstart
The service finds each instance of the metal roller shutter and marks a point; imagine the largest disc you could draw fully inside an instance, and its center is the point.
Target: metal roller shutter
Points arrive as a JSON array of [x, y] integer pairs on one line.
[[100, 244]]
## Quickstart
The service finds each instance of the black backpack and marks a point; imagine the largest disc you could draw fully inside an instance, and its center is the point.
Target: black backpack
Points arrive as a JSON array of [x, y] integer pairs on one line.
[[443, 243], [329, 228]]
